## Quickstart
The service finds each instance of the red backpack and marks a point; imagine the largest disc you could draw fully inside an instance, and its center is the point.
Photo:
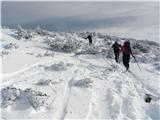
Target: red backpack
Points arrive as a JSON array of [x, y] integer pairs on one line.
[[126, 48]]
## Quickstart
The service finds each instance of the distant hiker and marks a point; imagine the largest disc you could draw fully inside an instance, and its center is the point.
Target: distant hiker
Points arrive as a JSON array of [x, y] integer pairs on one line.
[[89, 37], [126, 51], [116, 47]]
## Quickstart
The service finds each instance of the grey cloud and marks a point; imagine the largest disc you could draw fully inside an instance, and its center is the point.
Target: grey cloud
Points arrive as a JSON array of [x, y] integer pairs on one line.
[[77, 24], [23, 12]]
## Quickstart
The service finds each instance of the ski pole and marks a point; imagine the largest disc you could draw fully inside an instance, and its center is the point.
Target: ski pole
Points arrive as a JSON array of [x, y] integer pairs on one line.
[[136, 62]]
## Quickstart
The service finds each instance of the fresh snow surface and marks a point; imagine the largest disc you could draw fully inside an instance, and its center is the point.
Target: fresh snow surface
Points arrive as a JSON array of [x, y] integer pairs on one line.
[[43, 78]]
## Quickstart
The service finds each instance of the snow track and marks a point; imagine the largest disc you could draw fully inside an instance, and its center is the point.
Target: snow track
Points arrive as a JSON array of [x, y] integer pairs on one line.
[[67, 92]]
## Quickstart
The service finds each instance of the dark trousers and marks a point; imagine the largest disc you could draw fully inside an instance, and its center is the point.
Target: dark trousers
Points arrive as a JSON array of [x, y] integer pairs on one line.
[[116, 53], [126, 58], [90, 41]]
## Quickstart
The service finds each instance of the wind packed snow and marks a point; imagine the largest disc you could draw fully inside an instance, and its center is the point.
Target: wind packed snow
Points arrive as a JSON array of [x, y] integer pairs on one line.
[[53, 75]]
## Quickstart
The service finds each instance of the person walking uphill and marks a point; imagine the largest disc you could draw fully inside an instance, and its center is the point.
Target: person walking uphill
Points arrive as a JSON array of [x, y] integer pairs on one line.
[[116, 48], [89, 37], [126, 51]]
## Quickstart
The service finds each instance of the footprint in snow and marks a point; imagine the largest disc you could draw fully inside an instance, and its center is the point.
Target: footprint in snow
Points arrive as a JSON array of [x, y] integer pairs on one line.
[[83, 83], [56, 67]]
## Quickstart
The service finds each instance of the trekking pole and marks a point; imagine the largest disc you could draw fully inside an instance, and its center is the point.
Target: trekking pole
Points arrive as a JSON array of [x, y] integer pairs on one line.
[[136, 62]]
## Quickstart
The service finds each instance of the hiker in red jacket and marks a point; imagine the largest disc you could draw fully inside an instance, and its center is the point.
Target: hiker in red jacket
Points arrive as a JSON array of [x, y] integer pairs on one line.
[[126, 51]]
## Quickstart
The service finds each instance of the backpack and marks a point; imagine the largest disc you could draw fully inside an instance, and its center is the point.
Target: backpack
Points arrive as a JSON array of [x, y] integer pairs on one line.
[[126, 48]]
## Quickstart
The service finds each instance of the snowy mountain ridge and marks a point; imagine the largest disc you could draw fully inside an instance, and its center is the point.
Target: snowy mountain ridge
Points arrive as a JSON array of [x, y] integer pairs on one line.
[[57, 75]]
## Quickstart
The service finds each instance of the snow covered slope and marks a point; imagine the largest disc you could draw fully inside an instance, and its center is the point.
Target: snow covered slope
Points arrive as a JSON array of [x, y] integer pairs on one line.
[[50, 75]]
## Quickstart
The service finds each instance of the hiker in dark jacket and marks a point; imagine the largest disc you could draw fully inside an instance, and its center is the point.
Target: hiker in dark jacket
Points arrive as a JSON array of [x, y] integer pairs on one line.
[[126, 51], [116, 49], [89, 37]]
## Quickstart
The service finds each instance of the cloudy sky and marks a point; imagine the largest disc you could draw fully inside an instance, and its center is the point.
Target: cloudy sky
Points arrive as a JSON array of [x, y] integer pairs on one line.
[[127, 19]]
